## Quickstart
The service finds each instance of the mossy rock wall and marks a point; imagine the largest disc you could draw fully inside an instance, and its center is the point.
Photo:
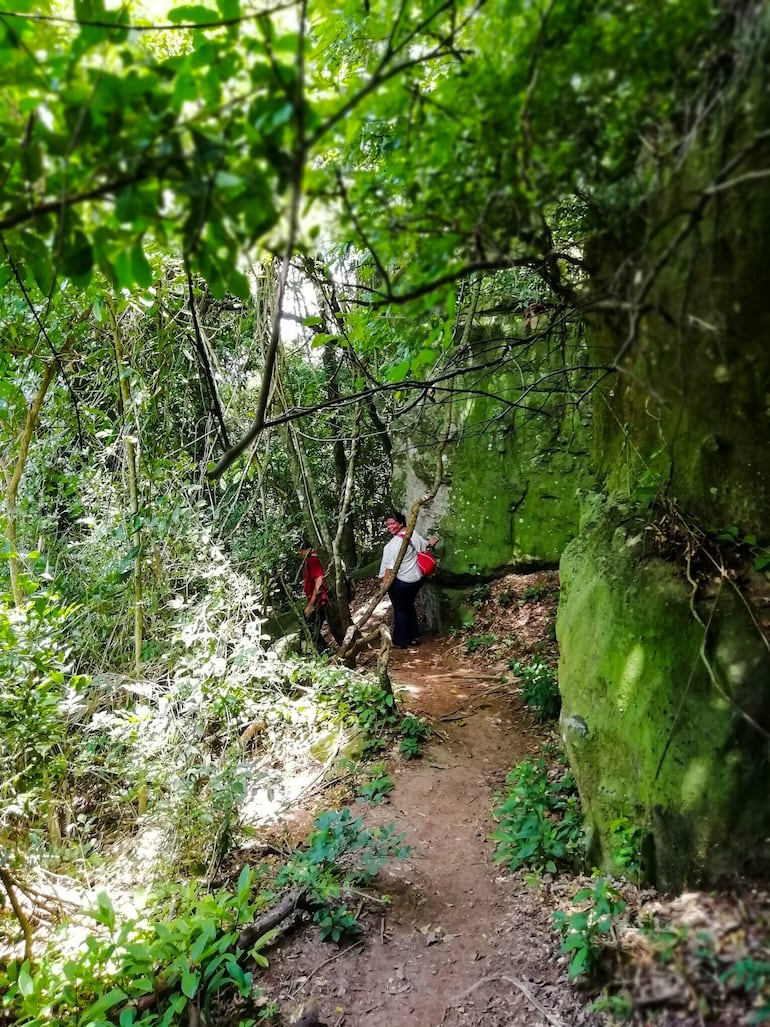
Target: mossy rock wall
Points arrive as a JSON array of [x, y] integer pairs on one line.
[[657, 712], [512, 477], [688, 417], [664, 672]]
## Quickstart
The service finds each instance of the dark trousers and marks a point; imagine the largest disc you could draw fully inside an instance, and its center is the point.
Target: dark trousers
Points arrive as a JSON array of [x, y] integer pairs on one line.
[[402, 594], [315, 623]]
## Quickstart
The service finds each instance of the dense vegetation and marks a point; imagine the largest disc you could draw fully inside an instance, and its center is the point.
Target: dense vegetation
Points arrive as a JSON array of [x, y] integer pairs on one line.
[[241, 250]]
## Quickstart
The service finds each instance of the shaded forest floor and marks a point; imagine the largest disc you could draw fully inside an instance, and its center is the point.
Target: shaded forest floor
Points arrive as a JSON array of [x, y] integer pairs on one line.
[[463, 941]]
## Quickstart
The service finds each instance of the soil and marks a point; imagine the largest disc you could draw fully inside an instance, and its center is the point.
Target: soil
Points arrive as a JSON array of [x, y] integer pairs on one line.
[[462, 941]]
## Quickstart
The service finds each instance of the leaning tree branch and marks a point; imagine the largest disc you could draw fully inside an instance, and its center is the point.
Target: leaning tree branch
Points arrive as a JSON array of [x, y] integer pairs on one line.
[[9, 884], [203, 358], [352, 636]]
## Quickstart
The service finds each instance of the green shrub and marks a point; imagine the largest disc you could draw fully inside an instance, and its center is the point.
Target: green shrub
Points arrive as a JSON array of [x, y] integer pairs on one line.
[[189, 955], [540, 820], [540, 688], [475, 642], [414, 732], [585, 929], [376, 788]]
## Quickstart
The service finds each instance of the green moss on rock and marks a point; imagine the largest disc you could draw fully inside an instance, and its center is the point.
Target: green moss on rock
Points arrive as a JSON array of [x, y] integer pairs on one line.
[[656, 692]]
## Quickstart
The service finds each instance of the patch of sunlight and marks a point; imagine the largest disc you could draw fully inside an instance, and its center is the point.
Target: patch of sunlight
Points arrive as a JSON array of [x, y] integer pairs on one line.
[[410, 687], [694, 782], [272, 791], [629, 677], [737, 671]]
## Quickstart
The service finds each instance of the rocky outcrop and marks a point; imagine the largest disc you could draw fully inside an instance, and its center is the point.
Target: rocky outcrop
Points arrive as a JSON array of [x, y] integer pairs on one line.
[[665, 672]]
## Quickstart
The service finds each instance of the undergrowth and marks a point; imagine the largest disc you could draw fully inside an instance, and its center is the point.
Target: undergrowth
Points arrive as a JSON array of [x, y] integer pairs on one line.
[[147, 969], [541, 825], [88, 762], [540, 832]]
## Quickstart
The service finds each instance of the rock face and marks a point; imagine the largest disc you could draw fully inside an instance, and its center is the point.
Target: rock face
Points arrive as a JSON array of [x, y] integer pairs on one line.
[[662, 691], [662, 624], [512, 475], [657, 503]]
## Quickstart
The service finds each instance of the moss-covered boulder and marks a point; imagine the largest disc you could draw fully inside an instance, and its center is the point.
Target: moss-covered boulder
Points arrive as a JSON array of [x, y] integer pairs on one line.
[[665, 673], [663, 693]]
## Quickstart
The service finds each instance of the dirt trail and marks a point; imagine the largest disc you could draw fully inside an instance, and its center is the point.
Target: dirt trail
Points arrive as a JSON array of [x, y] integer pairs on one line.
[[463, 941]]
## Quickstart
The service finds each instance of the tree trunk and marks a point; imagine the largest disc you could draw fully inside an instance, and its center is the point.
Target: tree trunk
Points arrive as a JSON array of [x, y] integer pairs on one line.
[[13, 480], [133, 486]]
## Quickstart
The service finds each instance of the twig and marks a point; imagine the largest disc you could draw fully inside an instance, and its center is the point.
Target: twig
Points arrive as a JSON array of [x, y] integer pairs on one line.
[[468, 710], [314, 971], [517, 984]]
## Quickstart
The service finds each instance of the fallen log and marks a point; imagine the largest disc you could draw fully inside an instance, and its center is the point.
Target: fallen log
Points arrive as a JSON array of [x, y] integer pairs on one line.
[[289, 904]]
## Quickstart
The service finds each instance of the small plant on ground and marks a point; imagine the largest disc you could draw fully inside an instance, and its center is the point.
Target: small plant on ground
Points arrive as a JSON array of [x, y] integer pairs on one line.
[[369, 706], [540, 688], [540, 820], [480, 594], [759, 553], [376, 787], [340, 853], [626, 847], [474, 642], [534, 593], [335, 922], [414, 732], [162, 965], [752, 977], [585, 930]]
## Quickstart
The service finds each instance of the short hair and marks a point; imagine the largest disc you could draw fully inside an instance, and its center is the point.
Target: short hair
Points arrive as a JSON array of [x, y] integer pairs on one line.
[[398, 517], [304, 543]]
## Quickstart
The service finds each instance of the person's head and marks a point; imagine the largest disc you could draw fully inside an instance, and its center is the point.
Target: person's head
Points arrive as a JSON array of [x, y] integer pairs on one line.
[[304, 545], [395, 522]]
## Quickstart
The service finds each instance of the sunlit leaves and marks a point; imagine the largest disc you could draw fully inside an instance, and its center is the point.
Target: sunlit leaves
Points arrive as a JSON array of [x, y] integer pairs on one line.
[[195, 14]]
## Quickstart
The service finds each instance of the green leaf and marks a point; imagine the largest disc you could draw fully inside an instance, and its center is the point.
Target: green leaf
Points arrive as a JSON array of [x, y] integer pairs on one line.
[[322, 339], [25, 982], [89, 10], [194, 13], [105, 911], [229, 8], [189, 983], [102, 1005], [140, 267], [399, 372], [77, 255], [578, 963]]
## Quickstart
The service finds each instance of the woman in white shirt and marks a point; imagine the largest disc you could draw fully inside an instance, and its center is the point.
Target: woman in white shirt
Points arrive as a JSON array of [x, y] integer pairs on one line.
[[404, 586]]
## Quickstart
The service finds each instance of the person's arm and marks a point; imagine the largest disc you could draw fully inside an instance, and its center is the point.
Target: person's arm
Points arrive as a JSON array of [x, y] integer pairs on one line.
[[387, 577], [315, 597]]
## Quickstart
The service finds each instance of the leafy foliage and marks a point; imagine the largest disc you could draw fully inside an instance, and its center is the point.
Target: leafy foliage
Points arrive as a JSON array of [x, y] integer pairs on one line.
[[38, 692], [540, 820], [340, 853], [585, 930], [414, 731], [540, 688], [188, 956]]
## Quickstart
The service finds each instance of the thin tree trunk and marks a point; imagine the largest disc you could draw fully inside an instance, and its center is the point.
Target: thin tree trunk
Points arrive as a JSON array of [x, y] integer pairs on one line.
[[133, 487], [13, 480], [9, 885]]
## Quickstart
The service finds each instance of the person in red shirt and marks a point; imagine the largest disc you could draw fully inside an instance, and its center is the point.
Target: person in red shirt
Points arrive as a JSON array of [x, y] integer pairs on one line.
[[314, 587]]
